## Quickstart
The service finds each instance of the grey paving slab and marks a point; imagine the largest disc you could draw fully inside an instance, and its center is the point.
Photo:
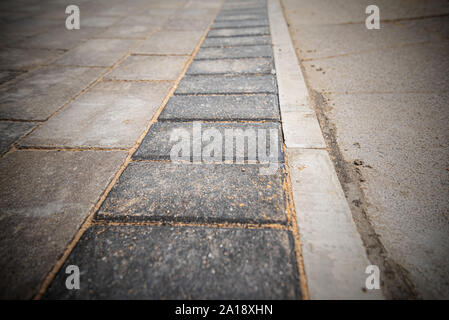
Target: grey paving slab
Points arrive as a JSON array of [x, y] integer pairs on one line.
[[139, 262], [130, 32], [44, 92], [11, 131], [59, 38], [148, 20], [236, 41], [165, 191], [170, 42], [374, 72], [97, 52], [44, 198], [221, 107], [231, 66], [149, 68], [8, 75], [239, 24], [227, 85], [238, 32], [234, 52], [23, 59], [242, 16], [265, 138], [98, 21], [183, 24], [110, 115]]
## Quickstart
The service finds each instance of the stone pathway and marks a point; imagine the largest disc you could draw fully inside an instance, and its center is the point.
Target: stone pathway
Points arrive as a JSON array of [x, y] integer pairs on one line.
[[190, 229]]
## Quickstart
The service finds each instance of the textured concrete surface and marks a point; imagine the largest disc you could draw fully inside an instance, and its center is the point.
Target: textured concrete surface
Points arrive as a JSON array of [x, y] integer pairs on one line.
[[159, 142], [149, 68], [234, 52], [236, 41], [97, 52], [23, 59], [235, 84], [231, 66], [170, 42], [138, 262], [239, 24], [44, 198], [110, 115], [237, 32], [221, 107], [382, 95], [11, 131], [44, 92], [149, 191]]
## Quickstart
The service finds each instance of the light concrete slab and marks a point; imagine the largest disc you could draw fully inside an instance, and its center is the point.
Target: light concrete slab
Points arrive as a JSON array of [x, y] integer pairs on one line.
[[149, 68], [110, 115], [170, 42], [44, 198]]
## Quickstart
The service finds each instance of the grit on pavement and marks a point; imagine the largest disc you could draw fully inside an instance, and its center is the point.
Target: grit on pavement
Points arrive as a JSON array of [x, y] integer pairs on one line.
[[382, 97]]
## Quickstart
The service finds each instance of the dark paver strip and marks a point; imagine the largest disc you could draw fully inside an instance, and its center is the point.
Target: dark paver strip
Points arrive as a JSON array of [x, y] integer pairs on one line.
[[231, 66], [201, 193], [234, 52], [141, 262], [236, 41], [255, 107], [240, 24], [227, 85], [159, 141], [238, 32]]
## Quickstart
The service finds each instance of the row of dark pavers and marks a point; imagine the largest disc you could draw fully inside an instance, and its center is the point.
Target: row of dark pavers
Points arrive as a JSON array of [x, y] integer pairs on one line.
[[198, 262]]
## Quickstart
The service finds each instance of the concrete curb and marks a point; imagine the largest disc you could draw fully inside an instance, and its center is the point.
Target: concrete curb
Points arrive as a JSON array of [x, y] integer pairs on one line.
[[334, 257]]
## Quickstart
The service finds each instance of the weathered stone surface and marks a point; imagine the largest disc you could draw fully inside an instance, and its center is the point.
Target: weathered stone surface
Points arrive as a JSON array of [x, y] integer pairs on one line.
[[231, 66], [130, 32], [221, 107], [183, 24], [11, 131], [159, 142], [219, 84], [44, 92], [239, 24], [44, 198], [166, 191], [140, 262], [235, 41], [238, 32], [23, 59], [110, 115], [97, 52], [242, 16], [234, 52], [149, 68], [8, 75], [170, 42]]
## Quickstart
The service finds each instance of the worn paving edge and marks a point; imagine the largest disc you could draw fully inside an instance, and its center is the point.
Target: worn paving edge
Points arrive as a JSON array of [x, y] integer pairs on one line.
[[333, 254]]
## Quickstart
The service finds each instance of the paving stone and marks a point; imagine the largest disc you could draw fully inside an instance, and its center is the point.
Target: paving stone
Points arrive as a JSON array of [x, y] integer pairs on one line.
[[98, 21], [147, 20], [23, 59], [8, 75], [240, 24], [130, 32], [97, 52], [171, 42], [11, 131], [238, 32], [234, 52], [144, 262], [159, 142], [228, 85], [242, 16], [165, 191], [44, 92], [59, 38], [236, 41], [149, 68], [44, 198], [184, 24], [231, 66], [110, 115], [221, 107]]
